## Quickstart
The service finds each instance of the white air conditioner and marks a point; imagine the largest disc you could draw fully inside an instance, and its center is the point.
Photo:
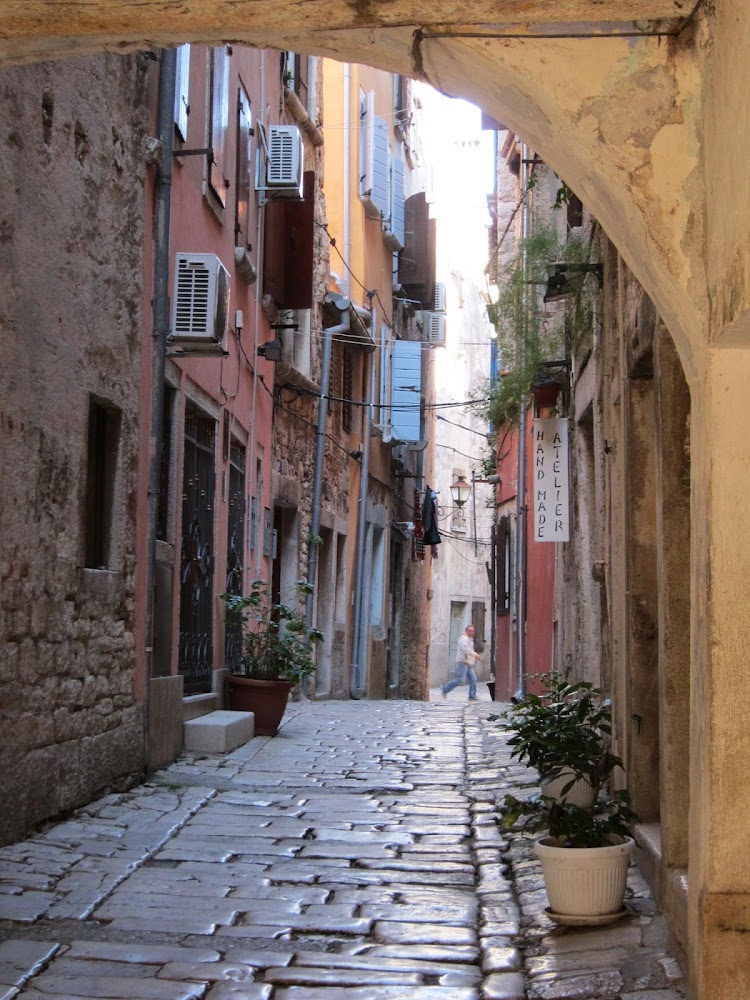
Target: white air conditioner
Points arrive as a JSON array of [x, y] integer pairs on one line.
[[439, 297], [433, 328], [200, 304], [284, 175]]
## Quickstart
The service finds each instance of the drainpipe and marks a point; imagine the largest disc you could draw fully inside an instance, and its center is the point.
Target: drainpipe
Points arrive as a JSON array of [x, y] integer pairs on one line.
[[258, 549], [320, 443], [160, 330], [356, 678], [345, 280], [521, 511]]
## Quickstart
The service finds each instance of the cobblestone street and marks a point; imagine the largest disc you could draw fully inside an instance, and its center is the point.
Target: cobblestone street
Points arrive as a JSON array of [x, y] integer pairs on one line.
[[355, 856]]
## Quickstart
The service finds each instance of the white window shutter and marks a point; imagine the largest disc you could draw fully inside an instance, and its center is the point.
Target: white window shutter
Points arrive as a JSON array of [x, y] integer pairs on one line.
[[407, 389], [181, 105]]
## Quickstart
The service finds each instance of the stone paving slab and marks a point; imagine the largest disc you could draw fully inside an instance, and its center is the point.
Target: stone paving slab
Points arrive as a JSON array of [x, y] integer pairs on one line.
[[356, 856]]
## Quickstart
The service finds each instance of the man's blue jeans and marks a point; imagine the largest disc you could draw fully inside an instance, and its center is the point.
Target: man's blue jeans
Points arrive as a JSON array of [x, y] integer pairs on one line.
[[463, 671]]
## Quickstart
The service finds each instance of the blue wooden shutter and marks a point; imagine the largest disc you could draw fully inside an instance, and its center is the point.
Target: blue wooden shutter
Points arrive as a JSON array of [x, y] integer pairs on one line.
[[407, 389], [397, 226], [380, 167]]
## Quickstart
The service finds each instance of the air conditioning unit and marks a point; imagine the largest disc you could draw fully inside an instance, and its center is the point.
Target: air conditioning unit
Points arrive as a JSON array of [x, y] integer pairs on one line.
[[433, 328], [284, 173], [200, 304], [439, 297]]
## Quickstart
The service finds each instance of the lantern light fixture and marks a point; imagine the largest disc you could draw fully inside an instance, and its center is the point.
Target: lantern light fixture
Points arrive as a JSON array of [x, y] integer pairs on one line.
[[460, 491]]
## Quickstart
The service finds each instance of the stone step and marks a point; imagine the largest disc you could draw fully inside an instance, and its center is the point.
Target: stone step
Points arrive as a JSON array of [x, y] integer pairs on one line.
[[219, 732]]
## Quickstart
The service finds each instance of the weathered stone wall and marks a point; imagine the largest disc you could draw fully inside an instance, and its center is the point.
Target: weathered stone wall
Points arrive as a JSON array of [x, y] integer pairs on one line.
[[71, 255]]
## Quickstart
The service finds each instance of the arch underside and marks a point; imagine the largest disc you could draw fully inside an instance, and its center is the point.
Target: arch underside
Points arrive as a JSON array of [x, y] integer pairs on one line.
[[614, 113]]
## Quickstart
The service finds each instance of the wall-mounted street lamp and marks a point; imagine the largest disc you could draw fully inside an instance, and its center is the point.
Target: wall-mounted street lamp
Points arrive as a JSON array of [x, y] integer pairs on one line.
[[566, 279], [460, 491]]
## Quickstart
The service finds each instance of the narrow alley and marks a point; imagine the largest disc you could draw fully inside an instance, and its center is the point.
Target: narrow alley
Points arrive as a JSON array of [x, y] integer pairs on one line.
[[356, 855]]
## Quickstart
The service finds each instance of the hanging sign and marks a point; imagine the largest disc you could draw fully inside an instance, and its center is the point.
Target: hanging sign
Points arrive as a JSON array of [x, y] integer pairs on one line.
[[550, 464]]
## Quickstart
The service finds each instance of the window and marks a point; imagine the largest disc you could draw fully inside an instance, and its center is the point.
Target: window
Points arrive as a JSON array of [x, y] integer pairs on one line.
[[165, 466], [219, 121], [406, 396], [103, 444], [295, 72], [503, 565], [243, 183], [181, 105], [378, 572]]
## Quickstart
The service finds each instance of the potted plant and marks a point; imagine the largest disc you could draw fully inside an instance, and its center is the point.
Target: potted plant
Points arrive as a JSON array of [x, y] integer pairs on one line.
[[586, 851], [276, 654], [561, 732]]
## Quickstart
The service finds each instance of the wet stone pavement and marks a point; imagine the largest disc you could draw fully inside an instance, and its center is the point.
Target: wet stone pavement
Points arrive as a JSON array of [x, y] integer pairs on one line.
[[355, 856]]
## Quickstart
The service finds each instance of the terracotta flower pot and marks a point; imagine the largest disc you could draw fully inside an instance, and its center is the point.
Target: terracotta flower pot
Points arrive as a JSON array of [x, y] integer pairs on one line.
[[267, 700]]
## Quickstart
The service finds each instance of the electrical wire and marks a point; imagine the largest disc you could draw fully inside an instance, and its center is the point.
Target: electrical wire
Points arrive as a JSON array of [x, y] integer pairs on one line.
[[484, 434], [300, 390]]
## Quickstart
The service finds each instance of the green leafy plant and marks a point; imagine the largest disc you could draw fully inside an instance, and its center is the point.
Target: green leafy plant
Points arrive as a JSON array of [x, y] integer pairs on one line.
[[570, 825], [529, 334], [565, 730], [276, 644]]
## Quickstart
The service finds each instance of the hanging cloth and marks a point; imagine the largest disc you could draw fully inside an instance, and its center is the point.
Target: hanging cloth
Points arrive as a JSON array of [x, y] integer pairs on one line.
[[418, 536], [429, 519]]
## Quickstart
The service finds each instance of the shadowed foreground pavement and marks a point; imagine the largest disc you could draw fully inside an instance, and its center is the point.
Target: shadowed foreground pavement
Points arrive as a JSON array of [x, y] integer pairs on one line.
[[355, 856]]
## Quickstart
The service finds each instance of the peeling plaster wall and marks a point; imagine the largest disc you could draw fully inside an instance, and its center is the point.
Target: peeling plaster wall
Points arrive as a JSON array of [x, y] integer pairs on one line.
[[71, 239]]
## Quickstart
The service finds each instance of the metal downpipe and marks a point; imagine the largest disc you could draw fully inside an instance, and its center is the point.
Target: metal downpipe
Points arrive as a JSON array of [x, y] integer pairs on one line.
[[160, 330], [356, 680], [521, 511]]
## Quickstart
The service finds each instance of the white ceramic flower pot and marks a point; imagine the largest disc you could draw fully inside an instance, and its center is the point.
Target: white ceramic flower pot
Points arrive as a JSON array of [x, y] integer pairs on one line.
[[584, 881], [580, 794]]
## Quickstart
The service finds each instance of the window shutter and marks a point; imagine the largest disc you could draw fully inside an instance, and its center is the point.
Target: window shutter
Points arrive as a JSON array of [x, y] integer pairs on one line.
[[182, 83], [219, 120], [396, 225], [288, 256], [380, 167], [407, 389], [244, 169]]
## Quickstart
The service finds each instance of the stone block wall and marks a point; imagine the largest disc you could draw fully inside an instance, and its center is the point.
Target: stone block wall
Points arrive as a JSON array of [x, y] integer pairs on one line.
[[71, 255]]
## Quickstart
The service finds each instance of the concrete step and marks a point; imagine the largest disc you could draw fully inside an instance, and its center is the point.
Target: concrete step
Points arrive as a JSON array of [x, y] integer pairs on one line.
[[219, 732], [196, 705]]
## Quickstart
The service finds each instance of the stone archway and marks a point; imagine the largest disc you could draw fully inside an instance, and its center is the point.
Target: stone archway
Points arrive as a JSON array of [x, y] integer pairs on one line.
[[614, 110]]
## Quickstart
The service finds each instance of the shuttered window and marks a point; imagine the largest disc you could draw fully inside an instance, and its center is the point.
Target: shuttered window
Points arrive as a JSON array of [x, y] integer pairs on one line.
[[244, 168], [182, 81], [407, 390], [219, 121]]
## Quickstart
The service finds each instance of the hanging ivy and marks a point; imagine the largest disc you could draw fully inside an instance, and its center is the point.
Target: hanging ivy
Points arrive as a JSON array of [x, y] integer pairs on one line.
[[529, 332]]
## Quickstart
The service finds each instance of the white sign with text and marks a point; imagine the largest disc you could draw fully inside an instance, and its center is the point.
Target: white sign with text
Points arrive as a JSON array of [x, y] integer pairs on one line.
[[550, 463]]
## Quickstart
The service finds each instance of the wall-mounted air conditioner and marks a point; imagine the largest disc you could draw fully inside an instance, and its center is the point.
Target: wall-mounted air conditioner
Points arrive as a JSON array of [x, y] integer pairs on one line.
[[439, 297], [285, 161], [433, 328], [200, 304]]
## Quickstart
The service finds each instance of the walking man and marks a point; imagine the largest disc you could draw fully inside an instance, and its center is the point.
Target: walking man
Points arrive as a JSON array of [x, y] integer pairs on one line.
[[465, 657]]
